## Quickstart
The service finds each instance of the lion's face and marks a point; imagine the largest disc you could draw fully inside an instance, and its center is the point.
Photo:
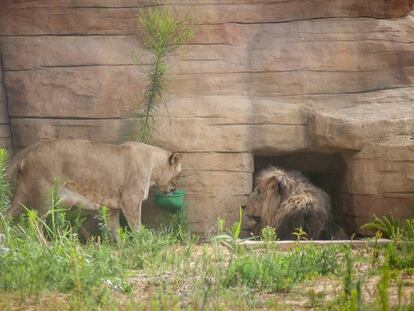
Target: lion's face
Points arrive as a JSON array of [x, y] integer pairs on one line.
[[168, 179], [262, 203], [253, 208]]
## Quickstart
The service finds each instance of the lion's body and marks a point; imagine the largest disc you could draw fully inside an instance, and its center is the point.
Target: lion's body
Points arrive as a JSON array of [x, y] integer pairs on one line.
[[92, 175], [286, 200]]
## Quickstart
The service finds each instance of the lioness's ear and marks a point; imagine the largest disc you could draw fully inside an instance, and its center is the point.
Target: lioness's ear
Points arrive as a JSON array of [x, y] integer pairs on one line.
[[175, 158]]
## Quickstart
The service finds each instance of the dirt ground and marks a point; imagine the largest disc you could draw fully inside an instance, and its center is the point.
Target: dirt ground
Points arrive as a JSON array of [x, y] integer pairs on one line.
[[309, 295]]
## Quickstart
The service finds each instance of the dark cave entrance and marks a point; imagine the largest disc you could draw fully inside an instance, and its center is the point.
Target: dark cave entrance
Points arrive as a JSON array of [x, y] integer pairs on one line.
[[326, 171]]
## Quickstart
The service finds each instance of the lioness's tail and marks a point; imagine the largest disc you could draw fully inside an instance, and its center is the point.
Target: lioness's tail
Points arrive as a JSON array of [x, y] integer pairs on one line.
[[11, 172], [13, 165]]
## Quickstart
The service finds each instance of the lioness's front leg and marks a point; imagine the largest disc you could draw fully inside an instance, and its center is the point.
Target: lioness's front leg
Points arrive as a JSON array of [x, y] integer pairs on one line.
[[114, 223], [132, 212]]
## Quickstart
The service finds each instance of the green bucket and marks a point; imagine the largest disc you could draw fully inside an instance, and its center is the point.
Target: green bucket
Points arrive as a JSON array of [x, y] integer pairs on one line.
[[173, 201]]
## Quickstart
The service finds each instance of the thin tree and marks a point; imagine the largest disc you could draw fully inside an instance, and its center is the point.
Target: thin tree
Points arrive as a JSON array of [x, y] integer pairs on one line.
[[163, 32]]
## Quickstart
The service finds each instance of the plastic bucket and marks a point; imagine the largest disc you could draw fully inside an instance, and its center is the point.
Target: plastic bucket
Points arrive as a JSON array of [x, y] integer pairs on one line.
[[172, 201]]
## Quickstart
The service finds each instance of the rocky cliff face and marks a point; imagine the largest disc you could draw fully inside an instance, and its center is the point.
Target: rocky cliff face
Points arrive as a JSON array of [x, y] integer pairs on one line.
[[262, 83], [5, 135]]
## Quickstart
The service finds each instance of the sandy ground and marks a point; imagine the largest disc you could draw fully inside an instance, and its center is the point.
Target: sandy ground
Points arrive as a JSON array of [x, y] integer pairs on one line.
[[306, 296]]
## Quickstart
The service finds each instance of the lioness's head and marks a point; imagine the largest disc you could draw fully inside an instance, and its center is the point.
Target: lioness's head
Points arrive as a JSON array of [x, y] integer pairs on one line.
[[167, 179]]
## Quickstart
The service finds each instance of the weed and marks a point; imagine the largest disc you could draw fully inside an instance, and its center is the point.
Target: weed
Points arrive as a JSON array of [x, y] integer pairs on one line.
[[231, 237], [391, 228], [300, 234], [348, 283], [103, 217], [382, 288], [4, 184], [269, 234]]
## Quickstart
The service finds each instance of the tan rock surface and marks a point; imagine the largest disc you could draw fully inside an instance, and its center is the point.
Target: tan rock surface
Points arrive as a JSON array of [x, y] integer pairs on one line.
[[225, 162], [262, 77], [36, 18], [5, 135]]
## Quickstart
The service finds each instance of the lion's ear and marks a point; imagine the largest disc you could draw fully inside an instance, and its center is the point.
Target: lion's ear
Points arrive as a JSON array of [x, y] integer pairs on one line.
[[175, 158], [272, 183]]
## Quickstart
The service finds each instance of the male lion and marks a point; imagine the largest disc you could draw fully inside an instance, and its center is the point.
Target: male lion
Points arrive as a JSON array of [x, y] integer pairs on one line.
[[92, 174], [286, 200]]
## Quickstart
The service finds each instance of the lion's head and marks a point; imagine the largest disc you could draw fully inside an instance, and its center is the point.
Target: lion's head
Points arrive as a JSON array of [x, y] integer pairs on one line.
[[263, 203], [286, 200]]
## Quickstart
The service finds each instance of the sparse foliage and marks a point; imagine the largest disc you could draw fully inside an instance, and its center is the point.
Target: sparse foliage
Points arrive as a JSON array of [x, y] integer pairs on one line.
[[387, 226], [163, 32]]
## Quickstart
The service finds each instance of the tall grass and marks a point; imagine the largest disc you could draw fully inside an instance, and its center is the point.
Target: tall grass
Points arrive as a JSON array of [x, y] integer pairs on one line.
[[45, 254], [279, 271], [399, 254]]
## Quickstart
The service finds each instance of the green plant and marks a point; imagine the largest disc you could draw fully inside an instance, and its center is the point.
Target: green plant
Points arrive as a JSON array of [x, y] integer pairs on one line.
[[389, 227], [103, 217], [300, 234], [398, 254], [382, 290], [220, 226], [269, 234], [236, 228], [57, 224], [348, 282], [162, 33], [231, 237], [4, 184]]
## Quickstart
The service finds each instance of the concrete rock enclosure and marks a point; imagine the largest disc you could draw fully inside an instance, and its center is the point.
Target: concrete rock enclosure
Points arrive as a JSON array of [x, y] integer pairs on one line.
[[322, 86], [5, 135]]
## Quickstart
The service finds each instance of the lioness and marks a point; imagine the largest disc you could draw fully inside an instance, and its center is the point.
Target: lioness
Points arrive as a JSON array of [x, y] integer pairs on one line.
[[286, 200], [92, 174]]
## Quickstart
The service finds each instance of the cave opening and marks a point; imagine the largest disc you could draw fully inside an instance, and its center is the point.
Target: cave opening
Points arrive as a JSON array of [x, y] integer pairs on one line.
[[326, 171]]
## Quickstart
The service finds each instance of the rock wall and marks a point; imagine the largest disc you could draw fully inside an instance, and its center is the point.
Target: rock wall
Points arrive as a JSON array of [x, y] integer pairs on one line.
[[5, 135], [262, 77]]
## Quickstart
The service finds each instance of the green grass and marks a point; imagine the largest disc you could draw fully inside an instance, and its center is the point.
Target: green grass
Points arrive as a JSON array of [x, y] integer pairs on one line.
[[177, 273], [280, 271]]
